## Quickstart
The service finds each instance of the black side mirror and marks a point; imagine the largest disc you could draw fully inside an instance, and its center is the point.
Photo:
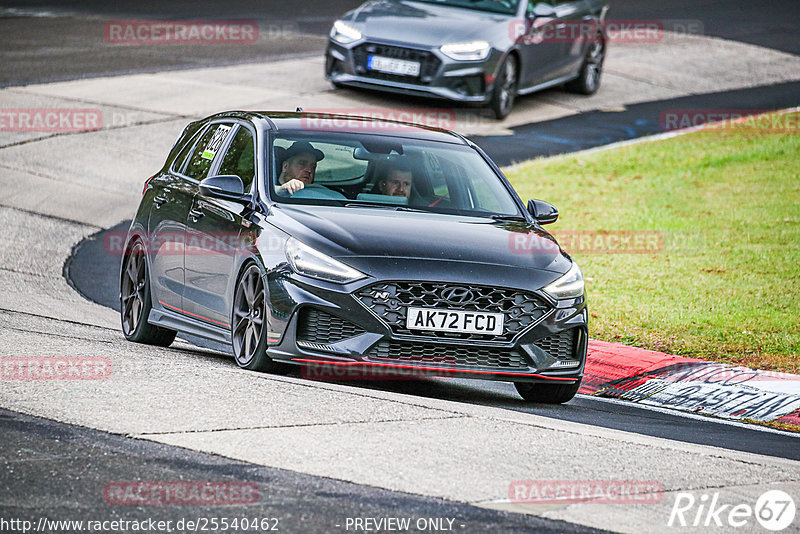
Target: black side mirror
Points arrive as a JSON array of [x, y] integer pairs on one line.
[[542, 212], [542, 10], [223, 186]]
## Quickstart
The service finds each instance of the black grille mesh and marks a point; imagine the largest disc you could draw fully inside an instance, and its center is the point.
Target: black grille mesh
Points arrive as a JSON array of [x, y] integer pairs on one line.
[[390, 300], [429, 63], [448, 354], [317, 326], [561, 346]]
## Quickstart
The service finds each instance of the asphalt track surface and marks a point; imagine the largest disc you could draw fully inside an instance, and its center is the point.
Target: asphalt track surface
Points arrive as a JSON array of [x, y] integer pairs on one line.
[[62, 462], [32, 450]]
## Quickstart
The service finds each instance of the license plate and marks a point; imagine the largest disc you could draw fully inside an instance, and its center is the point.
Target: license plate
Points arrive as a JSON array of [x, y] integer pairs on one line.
[[393, 66], [460, 321]]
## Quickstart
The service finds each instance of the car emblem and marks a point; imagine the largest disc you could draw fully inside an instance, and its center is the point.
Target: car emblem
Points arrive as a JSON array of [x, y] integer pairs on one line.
[[382, 295], [457, 295]]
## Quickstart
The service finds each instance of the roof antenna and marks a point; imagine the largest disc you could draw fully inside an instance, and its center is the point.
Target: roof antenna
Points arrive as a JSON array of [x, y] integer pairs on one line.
[[299, 109]]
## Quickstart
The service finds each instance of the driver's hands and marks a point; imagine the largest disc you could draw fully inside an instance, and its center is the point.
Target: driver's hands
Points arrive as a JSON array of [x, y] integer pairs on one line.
[[292, 186]]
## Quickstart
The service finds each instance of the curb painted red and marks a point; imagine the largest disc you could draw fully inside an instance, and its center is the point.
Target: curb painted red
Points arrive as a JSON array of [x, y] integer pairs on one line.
[[688, 384]]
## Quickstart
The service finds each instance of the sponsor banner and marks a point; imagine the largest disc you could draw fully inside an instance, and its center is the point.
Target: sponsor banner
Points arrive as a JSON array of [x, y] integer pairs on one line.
[[594, 491], [161, 493], [186, 32], [688, 384]]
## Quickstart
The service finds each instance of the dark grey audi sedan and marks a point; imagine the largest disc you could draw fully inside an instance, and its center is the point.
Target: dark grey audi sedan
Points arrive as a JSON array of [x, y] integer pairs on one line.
[[478, 51], [324, 240]]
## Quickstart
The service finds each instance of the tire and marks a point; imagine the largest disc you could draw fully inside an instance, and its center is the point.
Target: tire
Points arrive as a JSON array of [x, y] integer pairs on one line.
[[588, 80], [249, 322], [547, 393], [135, 302], [505, 88]]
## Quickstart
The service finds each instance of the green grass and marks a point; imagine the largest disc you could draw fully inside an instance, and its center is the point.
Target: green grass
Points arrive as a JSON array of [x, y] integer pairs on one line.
[[725, 286]]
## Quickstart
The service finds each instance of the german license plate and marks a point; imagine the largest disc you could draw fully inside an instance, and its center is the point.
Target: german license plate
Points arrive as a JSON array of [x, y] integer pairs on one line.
[[459, 321], [393, 66]]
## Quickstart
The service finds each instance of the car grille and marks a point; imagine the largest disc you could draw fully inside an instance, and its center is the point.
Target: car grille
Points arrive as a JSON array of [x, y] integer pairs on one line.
[[316, 326], [429, 63], [401, 351], [389, 301], [561, 346]]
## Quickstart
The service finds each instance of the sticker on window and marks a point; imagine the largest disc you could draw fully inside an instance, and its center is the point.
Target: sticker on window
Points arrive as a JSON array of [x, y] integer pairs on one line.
[[216, 142]]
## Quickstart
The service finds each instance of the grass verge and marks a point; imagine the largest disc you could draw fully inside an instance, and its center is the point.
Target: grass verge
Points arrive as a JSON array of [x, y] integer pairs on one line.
[[711, 266]]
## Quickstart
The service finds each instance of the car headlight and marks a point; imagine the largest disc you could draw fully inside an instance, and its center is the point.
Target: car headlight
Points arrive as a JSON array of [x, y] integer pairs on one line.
[[305, 260], [472, 51], [569, 286], [344, 34]]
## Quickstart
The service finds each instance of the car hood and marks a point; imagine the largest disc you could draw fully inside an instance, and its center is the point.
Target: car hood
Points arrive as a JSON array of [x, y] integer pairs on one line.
[[356, 232], [424, 24]]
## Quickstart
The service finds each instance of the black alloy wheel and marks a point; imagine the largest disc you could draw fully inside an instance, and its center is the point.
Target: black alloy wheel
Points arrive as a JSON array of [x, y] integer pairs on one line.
[[135, 303]]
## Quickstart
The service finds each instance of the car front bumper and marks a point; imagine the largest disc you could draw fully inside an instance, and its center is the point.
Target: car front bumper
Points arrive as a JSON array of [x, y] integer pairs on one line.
[[322, 326], [440, 76]]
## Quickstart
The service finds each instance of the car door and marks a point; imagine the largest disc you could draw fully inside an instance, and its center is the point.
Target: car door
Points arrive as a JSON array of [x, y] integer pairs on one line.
[[214, 238], [574, 21], [551, 27], [172, 194], [538, 53]]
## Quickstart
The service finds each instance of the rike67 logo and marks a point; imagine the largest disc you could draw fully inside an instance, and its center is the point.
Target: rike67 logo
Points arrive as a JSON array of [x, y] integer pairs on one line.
[[774, 510]]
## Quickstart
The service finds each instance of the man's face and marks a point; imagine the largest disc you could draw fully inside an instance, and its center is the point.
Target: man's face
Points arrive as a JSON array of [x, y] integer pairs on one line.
[[301, 167], [397, 184]]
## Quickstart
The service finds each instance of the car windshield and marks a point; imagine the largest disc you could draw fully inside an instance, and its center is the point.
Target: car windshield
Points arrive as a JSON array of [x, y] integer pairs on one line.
[[505, 7], [386, 172]]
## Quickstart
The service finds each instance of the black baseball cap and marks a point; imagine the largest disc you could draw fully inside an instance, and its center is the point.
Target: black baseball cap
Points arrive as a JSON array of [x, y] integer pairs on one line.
[[302, 147]]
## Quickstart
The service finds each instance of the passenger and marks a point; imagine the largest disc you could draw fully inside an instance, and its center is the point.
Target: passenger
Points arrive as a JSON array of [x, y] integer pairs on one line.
[[299, 167], [396, 181]]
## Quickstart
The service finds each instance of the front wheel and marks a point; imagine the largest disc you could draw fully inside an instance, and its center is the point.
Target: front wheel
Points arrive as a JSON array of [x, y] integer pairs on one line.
[[249, 322], [135, 303], [547, 393], [505, 89]]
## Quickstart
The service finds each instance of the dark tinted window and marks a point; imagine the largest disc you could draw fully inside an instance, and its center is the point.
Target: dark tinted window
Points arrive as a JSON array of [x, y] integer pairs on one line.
[[240, 159], [205, 150]]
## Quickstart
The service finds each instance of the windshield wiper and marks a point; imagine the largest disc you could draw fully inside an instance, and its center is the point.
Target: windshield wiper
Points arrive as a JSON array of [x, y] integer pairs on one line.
[[394, 207]]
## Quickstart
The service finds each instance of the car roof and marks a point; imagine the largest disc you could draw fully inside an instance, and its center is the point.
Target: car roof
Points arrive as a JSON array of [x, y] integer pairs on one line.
[[330, 122]]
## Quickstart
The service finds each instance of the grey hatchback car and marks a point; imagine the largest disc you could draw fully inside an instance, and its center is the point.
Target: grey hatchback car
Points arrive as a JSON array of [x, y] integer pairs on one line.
[[484, 52]]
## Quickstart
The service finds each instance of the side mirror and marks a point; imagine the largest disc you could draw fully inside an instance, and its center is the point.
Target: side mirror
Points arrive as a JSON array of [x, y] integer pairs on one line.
[[223, 186], [543, 10], [542, 212]]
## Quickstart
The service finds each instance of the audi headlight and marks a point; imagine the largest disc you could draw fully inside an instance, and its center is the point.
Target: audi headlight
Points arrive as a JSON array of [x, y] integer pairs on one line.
[[305, 260], [472, 51], [344, 34], [569, 286]]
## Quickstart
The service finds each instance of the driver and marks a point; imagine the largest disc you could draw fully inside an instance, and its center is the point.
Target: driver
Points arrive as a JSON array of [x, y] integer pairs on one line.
[[299, 167], [396, 182]]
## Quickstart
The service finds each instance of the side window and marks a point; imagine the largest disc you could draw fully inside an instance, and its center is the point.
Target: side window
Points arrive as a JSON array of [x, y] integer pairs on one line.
[[240, 159], [205, 150], [180, 160]]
